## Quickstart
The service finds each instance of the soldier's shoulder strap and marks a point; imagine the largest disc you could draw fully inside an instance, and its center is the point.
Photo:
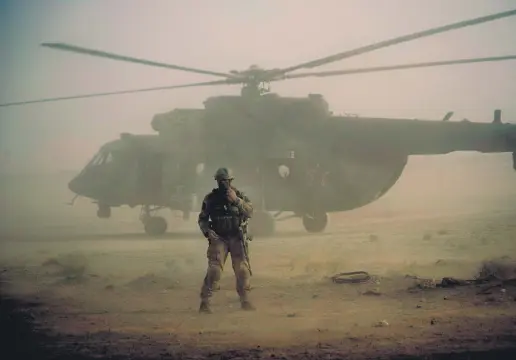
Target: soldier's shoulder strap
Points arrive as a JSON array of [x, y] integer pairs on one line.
[[210, 196], [240, 193]]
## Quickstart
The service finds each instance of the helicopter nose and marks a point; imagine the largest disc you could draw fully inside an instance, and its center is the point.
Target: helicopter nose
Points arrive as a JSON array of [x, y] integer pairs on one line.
[[75, 185]]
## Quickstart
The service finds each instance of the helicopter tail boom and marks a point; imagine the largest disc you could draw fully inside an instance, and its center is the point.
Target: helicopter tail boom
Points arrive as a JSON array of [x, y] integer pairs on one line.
[[421, 137]]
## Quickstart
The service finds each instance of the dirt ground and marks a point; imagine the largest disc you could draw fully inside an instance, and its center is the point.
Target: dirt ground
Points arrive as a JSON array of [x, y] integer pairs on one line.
[[100, 289]]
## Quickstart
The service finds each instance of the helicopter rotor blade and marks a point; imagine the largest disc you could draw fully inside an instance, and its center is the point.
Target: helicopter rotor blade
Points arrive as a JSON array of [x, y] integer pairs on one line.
[[208, 83], [394, 41], [396, 67], [112, 56]]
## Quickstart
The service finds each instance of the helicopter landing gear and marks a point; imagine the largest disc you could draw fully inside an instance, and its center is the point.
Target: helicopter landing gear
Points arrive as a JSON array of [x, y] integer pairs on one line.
[[104, 211], [262, 224], [153, 225], [315, 222]]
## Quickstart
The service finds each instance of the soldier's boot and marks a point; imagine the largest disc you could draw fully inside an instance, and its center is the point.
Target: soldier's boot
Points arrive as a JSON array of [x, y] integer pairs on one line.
[[247, 305], [210, 284], [205, 307], [243, 287]]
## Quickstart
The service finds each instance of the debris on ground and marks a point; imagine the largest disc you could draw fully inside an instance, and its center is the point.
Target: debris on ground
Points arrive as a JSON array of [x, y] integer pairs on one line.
[[374, 292], [499, 269], [351, 277], [494, 273], [70, 267], [382, 323]]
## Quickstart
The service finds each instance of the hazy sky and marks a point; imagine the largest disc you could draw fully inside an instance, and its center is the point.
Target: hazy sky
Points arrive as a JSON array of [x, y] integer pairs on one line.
[[233, 34]]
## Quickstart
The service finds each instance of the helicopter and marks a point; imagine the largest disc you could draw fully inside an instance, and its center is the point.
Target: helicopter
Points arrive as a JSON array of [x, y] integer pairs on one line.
[[290, 154]]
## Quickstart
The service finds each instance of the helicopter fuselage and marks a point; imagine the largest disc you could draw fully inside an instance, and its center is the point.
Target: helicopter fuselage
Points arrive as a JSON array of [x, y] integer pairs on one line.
[[325, 164]]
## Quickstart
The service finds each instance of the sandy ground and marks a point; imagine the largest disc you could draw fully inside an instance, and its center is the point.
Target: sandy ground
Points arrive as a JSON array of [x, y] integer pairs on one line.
[[101, 288]]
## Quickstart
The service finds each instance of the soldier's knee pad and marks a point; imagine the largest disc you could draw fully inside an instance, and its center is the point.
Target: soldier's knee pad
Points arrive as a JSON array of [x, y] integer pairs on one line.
[[243, 271], [214, 271], [215, 263]]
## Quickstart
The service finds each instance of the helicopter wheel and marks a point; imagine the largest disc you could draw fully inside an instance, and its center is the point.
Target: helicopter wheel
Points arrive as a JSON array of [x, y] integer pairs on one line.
[[262, 224], [155, 225], [104, 212], [315, 223]]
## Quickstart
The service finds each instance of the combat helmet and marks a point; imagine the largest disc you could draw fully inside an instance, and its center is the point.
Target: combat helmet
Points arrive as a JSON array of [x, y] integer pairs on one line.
[[223, 174]]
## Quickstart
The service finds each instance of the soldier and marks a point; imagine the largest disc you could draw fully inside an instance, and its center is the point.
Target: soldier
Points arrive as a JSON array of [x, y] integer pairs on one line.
[[222, 220]]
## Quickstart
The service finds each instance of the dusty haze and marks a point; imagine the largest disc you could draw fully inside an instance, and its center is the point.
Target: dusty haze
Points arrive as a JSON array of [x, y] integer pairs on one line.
[[105, 284], [232, 34], [113, 290]]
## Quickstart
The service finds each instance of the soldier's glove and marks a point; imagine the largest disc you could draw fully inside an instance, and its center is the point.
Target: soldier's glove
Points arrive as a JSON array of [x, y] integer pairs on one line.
[[211, 235], [231, 195]]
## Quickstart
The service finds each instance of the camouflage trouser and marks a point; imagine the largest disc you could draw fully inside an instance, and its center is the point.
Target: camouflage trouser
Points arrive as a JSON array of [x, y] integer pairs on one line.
[[217, 254]]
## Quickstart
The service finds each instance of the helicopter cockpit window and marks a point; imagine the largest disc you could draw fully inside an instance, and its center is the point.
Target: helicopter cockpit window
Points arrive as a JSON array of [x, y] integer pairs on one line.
[[101, 158], [108, 158]]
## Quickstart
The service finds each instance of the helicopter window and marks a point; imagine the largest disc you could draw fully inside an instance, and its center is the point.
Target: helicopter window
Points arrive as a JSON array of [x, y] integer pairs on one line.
[[97, 160], [284, 171], [108, 158], [101, 158]]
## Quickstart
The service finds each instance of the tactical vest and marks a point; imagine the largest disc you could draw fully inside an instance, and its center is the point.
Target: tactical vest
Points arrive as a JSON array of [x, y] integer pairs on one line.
[[225, 217]]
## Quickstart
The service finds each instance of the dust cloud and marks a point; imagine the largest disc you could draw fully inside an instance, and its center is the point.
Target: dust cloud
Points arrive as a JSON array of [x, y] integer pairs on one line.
[[447, 216]]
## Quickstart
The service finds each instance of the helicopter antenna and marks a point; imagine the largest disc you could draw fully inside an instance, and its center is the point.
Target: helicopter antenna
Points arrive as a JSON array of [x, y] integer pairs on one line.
[[254, 89]]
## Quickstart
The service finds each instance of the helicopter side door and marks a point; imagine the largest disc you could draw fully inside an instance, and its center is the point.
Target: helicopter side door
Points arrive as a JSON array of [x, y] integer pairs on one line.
[[150, 177]]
